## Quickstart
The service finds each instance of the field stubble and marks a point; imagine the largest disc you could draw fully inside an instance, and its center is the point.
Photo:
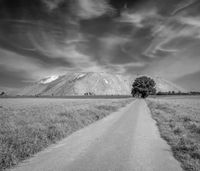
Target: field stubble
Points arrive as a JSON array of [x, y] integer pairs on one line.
[[29, 125], [179, 124]]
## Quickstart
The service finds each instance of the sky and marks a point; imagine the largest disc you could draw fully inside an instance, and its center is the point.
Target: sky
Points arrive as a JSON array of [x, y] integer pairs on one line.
[[41, 38]]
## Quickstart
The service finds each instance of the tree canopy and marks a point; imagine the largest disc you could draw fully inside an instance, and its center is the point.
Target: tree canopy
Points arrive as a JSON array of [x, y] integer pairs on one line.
[[143, 86]]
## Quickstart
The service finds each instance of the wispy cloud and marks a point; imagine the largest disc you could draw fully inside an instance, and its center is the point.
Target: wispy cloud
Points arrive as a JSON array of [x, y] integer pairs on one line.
[[87, 9], [181, 6], [52, 4], [31, 68], [137, 18], [169, 31], [176, 65], [56, 36], [191, 21]]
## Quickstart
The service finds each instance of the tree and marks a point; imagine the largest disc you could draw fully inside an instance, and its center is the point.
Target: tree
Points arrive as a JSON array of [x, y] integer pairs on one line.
[[89, 94], [2, 93], [143, 87]]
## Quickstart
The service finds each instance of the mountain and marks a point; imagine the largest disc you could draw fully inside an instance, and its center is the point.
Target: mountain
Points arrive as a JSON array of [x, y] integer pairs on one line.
[[90, 83], [163, 85], [80, 84]]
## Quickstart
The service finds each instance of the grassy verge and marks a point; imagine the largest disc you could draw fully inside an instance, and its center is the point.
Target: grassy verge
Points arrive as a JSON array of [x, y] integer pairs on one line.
[[29, 125], [179, 125]]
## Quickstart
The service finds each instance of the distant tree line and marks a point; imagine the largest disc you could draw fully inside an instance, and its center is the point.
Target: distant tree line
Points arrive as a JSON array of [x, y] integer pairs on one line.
[[195, 93], [169, 93], [89, 94], [177, 93]]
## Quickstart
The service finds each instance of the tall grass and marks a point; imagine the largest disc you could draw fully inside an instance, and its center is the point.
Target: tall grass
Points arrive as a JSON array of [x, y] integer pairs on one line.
[[179, 123], [29, 125]]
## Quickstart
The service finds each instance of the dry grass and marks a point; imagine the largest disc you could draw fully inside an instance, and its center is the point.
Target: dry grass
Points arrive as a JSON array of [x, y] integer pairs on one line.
[[29, 125], [179, 123]]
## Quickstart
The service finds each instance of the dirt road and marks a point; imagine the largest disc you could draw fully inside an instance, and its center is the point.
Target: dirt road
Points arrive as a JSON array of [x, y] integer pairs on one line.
[[127, 140]]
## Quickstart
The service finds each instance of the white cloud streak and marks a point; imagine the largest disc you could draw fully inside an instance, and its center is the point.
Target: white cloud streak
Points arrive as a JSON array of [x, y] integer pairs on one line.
[[52, 4], [87, 9], [137, 18], [184, 4], [165, 33]]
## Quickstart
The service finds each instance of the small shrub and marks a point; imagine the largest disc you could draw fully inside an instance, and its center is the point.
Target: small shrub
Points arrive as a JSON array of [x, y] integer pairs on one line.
[[177, 130], [186, 119]]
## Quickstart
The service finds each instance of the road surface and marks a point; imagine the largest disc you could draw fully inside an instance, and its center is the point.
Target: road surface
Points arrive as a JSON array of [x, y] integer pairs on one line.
[[127, 140]]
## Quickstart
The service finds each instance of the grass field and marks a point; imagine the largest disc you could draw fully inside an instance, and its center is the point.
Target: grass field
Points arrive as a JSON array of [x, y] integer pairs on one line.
[[29, 125], [178, 119]]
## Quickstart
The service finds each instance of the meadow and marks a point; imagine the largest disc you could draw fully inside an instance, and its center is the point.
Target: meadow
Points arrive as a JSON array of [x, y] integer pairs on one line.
[[178, 119], [28, 125]]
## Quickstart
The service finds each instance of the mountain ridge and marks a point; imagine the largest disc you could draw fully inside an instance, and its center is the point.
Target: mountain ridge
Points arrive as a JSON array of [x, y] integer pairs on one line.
[[90, 83]]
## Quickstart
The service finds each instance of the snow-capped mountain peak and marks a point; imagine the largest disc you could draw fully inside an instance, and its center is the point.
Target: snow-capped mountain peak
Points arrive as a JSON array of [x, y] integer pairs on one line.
[[49, 79]]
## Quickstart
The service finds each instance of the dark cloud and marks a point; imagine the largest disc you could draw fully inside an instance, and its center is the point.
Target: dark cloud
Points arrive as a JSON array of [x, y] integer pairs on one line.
[[120, 56], [131, 4], [43, 60], [9, 78], [22, 9], [98, 27]]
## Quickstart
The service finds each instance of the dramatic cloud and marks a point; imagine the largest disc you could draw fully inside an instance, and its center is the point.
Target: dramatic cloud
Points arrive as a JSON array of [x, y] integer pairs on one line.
[[139, 18], [48, 37], [182, 5], [87, 9]]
